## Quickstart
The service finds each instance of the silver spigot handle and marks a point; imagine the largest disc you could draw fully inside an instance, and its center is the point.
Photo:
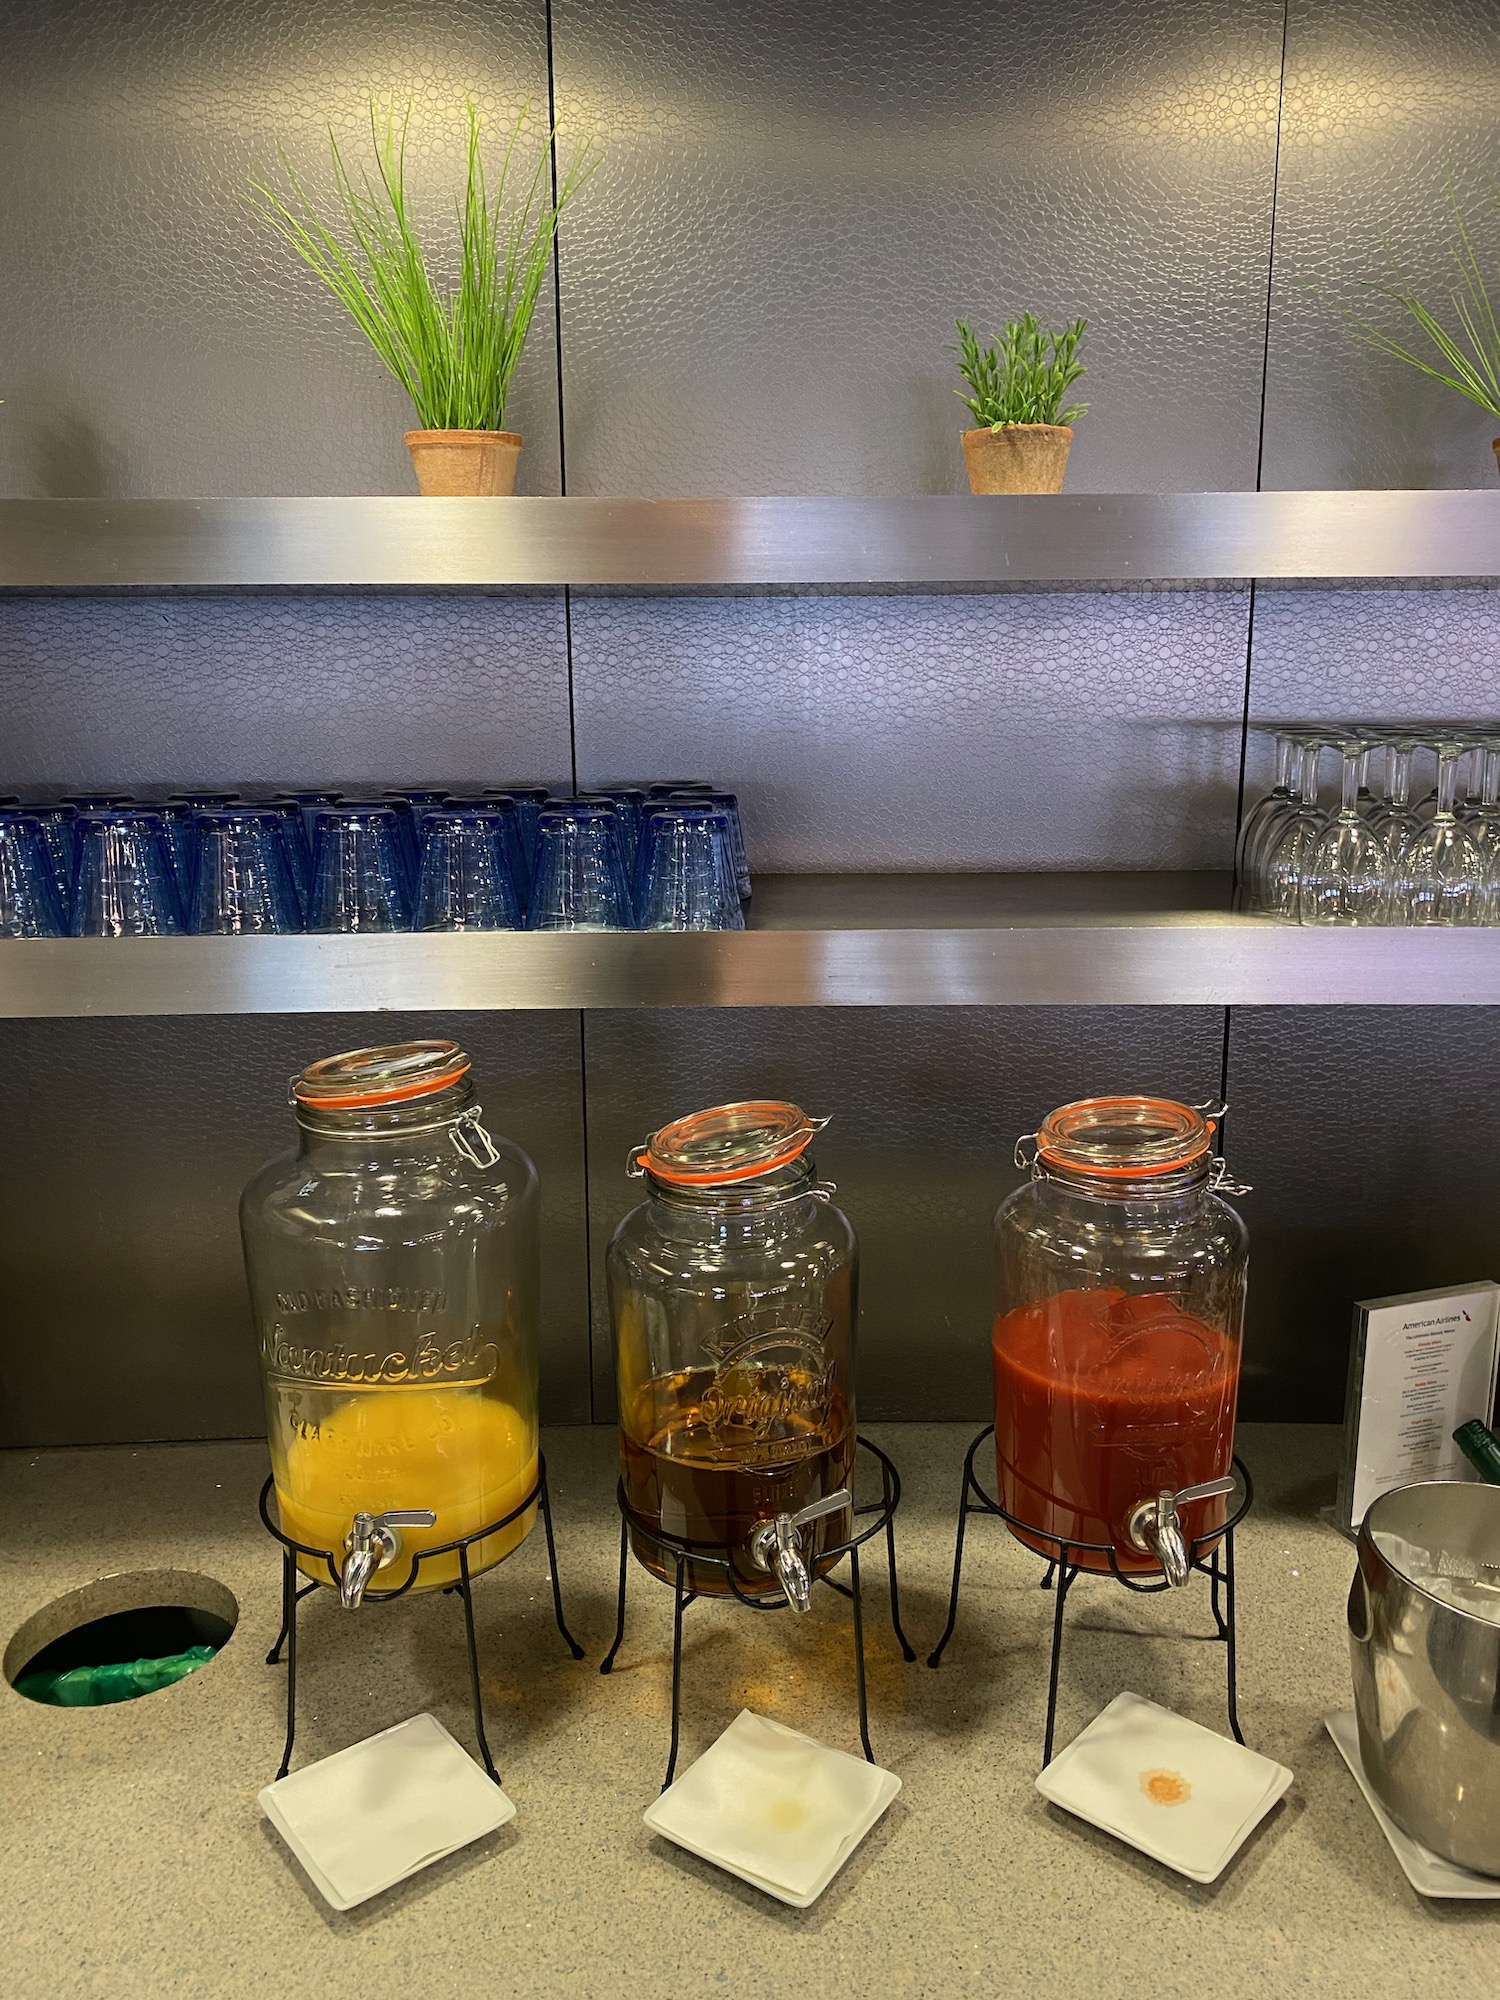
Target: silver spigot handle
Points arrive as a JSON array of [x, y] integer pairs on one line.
[[1155, 1529], [776, 1544], [371, 1544]]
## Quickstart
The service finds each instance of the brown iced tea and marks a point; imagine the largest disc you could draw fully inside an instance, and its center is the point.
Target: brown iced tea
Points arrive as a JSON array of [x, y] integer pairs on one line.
[[721, 1457]]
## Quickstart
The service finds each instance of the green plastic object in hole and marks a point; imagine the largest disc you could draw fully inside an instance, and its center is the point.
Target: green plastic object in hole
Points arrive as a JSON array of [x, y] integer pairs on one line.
[[123, 1655], [120, 1680]]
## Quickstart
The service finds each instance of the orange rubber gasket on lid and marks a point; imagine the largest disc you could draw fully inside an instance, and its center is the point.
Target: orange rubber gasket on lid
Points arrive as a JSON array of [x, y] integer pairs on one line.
[[1133, 1172], [395, 1093], [717, 1176]]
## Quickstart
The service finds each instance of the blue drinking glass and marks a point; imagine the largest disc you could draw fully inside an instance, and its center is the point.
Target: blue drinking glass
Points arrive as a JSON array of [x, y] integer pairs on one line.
[[59, 826], [530, 801], [182, 835], [670, 788], [125, 886], [688, 883], [242, 880], [411, 805], [309, 804], [506, 814], [728, 804], [29, 906], [294, 840], [465, 882], [359, 873], [632, 804], [578, 882], [97, 801]]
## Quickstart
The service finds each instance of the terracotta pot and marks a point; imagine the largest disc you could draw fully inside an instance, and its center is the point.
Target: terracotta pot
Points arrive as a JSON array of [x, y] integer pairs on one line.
[[1018, 458], [464, 462], [1497, 451]]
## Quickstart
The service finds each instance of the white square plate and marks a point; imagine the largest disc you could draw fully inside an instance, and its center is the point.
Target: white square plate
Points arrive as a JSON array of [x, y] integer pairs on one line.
[[369, 1816], [1427, 1872], [777, 1808], [1179, 1792]]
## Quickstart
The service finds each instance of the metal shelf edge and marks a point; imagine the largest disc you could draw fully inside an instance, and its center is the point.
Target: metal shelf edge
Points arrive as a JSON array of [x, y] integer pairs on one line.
[[1192, 961], [922, 542]]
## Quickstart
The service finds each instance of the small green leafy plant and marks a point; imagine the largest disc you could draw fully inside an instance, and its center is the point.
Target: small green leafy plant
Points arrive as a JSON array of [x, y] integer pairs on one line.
[[454, 350], [1022, 377], [1467, 359]]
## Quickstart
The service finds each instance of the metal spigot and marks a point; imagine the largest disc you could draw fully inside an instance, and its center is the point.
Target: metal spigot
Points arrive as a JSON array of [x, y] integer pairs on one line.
[[371, 1544], [1154, 1528], [776, 1545]]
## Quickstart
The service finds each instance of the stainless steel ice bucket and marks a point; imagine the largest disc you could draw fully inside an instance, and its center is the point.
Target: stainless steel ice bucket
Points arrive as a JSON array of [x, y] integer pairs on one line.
[[1427, 1673]]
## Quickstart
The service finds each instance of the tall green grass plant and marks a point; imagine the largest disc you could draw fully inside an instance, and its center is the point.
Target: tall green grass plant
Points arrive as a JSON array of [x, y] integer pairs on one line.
[[1463, 354], [453, 350]]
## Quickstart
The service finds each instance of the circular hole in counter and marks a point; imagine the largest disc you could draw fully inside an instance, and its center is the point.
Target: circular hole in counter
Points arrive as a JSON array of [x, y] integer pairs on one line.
[[158, 1614]]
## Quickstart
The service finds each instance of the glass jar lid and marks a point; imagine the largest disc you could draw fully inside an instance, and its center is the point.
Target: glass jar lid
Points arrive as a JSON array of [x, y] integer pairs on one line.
[[1124, 1137], [730, 1142], [360, 1078]]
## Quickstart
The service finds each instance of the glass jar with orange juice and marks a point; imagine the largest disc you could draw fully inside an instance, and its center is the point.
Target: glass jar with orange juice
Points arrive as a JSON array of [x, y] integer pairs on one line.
[[393, 1270]]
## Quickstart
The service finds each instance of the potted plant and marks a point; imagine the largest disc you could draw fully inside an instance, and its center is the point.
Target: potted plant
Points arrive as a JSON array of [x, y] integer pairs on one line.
[[1468, 359], [454, 350], [1024, 431]]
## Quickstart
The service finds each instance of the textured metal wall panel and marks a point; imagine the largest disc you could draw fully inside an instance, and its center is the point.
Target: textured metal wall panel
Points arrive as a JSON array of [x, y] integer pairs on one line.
[[1382, 98], [1386, 654], [157, 338], [797, 199], [1071, 730], [926, 1109], [1369, 1136], [299, 690], [129, 1142]]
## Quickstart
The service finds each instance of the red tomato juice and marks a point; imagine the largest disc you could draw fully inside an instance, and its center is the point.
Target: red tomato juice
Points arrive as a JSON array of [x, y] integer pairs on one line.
[[1101, 1400]]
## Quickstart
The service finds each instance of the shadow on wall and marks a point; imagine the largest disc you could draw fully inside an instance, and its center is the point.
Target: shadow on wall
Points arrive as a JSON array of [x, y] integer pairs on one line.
[[68, 455]]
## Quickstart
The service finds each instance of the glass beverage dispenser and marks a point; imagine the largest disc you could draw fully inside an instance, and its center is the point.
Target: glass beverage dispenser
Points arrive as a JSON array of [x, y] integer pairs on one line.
[[1120, 1282], [393, 1269], [732, 1294]]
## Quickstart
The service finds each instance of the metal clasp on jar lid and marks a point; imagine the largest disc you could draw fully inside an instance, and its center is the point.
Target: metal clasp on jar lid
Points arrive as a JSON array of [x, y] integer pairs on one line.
[[471, 1139]]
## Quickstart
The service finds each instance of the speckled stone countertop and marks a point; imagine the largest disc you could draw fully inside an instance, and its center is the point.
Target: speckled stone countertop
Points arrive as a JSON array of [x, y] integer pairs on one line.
[[136, 1862]]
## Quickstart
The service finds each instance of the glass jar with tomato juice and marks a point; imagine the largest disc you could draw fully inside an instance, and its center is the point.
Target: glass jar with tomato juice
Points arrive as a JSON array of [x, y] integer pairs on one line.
[[1120, 1293]]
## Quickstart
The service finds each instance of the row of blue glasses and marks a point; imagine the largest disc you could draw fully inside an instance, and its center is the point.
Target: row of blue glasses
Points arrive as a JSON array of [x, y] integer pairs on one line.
[[665, 857]]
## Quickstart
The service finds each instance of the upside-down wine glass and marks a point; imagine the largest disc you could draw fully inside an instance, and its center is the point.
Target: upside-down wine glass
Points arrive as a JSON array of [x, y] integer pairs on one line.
[[1440, 877], [1346, 870]]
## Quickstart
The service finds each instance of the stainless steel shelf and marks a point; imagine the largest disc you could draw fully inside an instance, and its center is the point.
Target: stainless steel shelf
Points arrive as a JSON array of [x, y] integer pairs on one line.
[[814, 941], [936, 542]]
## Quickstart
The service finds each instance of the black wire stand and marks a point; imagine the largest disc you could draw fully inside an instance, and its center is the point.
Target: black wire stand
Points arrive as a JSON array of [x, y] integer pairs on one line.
[[1211, 1554], [719, 1559], [292, 1596]]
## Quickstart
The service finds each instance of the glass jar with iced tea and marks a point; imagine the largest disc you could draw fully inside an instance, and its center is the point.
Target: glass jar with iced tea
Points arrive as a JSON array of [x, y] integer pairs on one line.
[[732, 1294], [1120, 1292], [393, 1269]]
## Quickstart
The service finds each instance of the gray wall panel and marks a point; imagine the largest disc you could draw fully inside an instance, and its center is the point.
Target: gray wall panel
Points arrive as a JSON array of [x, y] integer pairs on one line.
[[126, 1312], [156, 338], [1369, 1136], [1378, 654], [296, 690], [1382, 97], [926, 1109], [1070, 730], [797, 199]]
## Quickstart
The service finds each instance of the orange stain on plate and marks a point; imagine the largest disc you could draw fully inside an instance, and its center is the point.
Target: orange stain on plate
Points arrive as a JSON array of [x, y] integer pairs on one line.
[[1166, 1788]]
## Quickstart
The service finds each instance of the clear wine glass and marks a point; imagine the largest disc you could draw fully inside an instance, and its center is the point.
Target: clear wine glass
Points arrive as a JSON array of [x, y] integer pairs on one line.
[[1484, 827], [1395, 818], [1346, 869], [1278, 882], [1440, 877], [1262, 816]]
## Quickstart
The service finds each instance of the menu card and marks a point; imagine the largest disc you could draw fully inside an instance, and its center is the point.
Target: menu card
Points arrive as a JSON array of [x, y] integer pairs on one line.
[[1420, 1365]]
